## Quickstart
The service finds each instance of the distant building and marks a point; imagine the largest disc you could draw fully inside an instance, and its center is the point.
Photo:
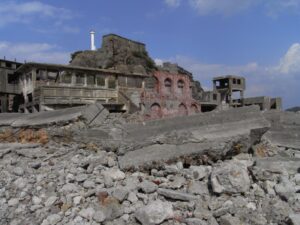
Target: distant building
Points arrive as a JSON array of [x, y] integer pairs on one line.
[[171, 94], [9, 85]]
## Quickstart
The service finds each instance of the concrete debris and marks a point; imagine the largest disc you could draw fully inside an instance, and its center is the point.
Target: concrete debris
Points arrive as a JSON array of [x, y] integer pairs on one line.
[[93, 114], [155, 213], [211, 169]]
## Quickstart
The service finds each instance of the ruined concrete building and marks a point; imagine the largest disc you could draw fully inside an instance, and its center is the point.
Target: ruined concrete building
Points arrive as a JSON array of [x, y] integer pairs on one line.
[[9, 85], [123, 78]]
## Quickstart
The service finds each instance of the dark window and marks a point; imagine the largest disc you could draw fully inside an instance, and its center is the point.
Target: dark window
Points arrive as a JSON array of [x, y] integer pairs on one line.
[[112, 82], [180, 85], [239, 81], [80, 79], [100, 80], [66, 78], [90, 80], [8, 65], [215, 97], [168, 85], [234, 80]]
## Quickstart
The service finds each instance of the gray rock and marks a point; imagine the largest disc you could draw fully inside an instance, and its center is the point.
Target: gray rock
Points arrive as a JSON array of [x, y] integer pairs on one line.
[[50, 201], [77, 200], [177, 182], [13, 202], [36, 200], [285, 189], [18, 171], [81, 177], [226, 208], [87, 213], [114, 174], [176, 195], [147, 186], [154, 213], [69, 188], [88, 184], [197, 187], [297, 179], [230, 177], [99, 216], [53, 219], [195, 221], [229, 220], [199, 172], [120, 193], [111, 208], [132, 197], [294, 219]]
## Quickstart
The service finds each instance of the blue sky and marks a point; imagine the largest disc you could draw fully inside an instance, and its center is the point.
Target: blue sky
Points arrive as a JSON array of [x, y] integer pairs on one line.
[[259, 39]]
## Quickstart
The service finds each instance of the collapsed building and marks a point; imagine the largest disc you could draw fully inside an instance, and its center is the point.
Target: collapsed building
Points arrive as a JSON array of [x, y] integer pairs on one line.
[[123, 78]]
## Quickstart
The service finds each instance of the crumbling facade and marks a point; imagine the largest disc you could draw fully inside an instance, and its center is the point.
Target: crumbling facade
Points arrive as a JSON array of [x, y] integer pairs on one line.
[[51, 86], [9, 85], [170, 96], [227, 86]]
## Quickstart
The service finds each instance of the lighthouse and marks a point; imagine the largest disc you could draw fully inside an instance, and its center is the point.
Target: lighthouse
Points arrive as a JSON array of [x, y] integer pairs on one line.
[[93, 47]]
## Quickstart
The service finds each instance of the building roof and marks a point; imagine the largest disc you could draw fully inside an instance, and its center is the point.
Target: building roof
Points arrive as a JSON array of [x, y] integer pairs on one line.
[[29, 65], [228, 77]]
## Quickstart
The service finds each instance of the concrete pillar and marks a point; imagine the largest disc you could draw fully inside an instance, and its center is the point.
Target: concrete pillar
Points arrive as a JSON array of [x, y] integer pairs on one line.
[[117, 82], [73, 82], [3, 100], [106, 82], [230, 99], [33, 77], [242, 97], [85, 80]]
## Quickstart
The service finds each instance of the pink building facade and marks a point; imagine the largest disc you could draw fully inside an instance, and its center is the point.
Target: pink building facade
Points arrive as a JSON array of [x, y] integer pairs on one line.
[[171, 96]]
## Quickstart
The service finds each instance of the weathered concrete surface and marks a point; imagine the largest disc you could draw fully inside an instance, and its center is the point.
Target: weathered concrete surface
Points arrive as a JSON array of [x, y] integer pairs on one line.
[[215, 134], [279, 164], [6, 119], [93, 114], [285, 129]]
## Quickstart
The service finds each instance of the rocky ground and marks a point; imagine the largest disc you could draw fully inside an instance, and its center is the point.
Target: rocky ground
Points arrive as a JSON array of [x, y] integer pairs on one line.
[[63, 181]]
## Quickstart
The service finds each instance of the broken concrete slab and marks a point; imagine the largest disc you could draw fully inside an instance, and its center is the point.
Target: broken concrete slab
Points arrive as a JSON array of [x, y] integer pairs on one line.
[[278, 164], [213, 134], [285, 129], [6, 119], [92, 115], [176, 195]]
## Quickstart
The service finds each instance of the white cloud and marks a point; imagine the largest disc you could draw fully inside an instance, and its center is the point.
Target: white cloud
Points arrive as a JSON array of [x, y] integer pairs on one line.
[[14, 12], [290, 63], [173, 3], [229, 7], [207, 71], [37, 52], [225, 7], [158, 62]]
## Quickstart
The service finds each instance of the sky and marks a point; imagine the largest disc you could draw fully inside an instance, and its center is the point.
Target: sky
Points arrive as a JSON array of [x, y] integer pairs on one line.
[[257, 39]]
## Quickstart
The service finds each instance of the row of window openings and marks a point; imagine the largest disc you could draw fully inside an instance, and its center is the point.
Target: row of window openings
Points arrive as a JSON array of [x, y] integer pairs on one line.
[[225, 84], [168, 84]]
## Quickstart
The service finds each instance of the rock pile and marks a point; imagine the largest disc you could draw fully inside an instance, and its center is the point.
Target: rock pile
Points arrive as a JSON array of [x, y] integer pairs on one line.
[[78, 183]]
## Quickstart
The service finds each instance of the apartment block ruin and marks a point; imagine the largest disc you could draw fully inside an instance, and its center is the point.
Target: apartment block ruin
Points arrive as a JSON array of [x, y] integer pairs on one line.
[[123, 78]]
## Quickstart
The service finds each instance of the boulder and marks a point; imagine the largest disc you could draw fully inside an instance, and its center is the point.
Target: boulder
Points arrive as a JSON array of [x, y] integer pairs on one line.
[[230, 177], [154, 213]]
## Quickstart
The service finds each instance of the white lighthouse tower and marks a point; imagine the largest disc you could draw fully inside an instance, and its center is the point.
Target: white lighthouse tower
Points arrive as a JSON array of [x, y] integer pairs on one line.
[[93, 47]]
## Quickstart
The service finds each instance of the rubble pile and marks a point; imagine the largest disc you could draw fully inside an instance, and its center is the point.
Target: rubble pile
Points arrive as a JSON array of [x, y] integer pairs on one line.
[[246, 179]]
